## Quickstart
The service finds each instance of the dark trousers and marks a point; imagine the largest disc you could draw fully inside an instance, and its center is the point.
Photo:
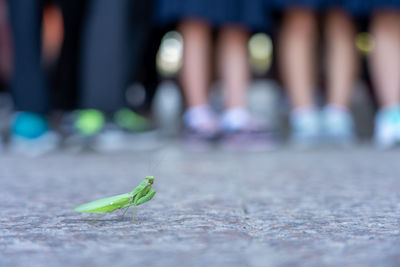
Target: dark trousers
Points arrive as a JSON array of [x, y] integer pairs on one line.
[[115, 51], [66, 76], [30, 85], [106, 55]]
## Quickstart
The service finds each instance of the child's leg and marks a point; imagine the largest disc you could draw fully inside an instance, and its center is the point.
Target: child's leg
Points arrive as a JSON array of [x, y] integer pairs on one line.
[[242, 131], [297, 60], [341, 58], [195, 75], [233, 65], [297, 56], [385, 58], [200, 121], [341, 66], [385, 69]]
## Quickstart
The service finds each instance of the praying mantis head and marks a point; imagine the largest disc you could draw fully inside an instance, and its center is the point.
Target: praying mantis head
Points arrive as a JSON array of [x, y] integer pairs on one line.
[[150, 179]]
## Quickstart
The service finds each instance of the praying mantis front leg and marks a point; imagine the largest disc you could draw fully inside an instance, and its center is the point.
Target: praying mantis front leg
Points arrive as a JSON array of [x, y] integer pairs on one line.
[[126, 207], [140, 199]]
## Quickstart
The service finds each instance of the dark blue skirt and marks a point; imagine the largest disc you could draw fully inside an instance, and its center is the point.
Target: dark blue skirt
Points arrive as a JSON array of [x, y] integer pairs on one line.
[[385, 4], [251, 14], [351, 6], [282, 5], [366, 7], [354, 7]]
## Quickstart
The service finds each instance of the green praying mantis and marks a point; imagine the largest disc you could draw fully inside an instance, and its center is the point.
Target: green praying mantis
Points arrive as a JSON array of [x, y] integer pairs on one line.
[[141, 194]]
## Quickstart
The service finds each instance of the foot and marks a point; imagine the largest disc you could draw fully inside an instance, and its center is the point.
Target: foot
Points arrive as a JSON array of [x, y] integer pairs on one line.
[[31, 135], [387, 127], [201, 127], [82, 128], [241, 131], [128, 120], [305, 127], [337, 126], [89, 122]]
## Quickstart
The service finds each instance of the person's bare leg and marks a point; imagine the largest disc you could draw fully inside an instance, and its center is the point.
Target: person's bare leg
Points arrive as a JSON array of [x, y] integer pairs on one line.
[[195, 80], [385, 58], [195, 76], [233, 65], [341, 58], [241, 130], [297, 45], [385, 69]]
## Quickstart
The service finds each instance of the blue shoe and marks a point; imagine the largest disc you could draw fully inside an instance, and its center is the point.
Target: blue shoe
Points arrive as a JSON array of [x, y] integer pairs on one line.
[[337, 126], [29, 125], [31, 135], [387, 127], [305, 128]]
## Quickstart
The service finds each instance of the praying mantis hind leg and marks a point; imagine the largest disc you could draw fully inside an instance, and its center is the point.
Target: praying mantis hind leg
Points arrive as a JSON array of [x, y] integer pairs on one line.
[[126, 209], [105, 213]]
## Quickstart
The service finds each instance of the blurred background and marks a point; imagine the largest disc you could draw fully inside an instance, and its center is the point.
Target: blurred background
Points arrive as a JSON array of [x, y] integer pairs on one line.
[[115, 75]]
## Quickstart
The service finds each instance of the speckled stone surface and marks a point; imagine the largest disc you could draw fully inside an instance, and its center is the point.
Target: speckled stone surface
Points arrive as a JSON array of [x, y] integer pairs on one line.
[[282, 208]]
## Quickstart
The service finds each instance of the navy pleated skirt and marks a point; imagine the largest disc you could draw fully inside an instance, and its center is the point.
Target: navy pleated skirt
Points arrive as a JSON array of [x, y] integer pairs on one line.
[[248, 13], [366, 7], [282, 5], [354, 7]]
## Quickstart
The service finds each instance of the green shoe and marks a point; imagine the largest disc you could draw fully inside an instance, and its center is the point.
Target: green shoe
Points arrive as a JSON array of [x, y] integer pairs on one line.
[[131, 121], [89, 122]]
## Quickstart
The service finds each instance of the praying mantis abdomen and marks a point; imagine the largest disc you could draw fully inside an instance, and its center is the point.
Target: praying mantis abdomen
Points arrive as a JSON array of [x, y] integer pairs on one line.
[[107, 204]]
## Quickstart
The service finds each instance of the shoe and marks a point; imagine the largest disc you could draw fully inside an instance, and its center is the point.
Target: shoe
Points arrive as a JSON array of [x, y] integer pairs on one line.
[[128, 120], [242, 131], [337, 126], [201, 128], [305, 128], [387, 127], [31, 135], [89, 122], [81, 129]]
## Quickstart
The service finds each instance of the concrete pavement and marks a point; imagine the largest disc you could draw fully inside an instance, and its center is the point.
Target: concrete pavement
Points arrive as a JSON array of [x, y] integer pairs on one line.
[[323, 207]]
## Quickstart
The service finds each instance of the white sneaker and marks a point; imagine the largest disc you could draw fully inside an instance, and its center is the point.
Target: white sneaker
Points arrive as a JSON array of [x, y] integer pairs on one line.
[[35, 147], [387, 128], [337, 126], [305, 127]]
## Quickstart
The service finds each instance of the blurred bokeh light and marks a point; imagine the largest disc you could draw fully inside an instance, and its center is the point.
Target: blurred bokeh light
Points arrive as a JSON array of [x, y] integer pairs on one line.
[[365, 42], [260, 51], [169, 56]]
